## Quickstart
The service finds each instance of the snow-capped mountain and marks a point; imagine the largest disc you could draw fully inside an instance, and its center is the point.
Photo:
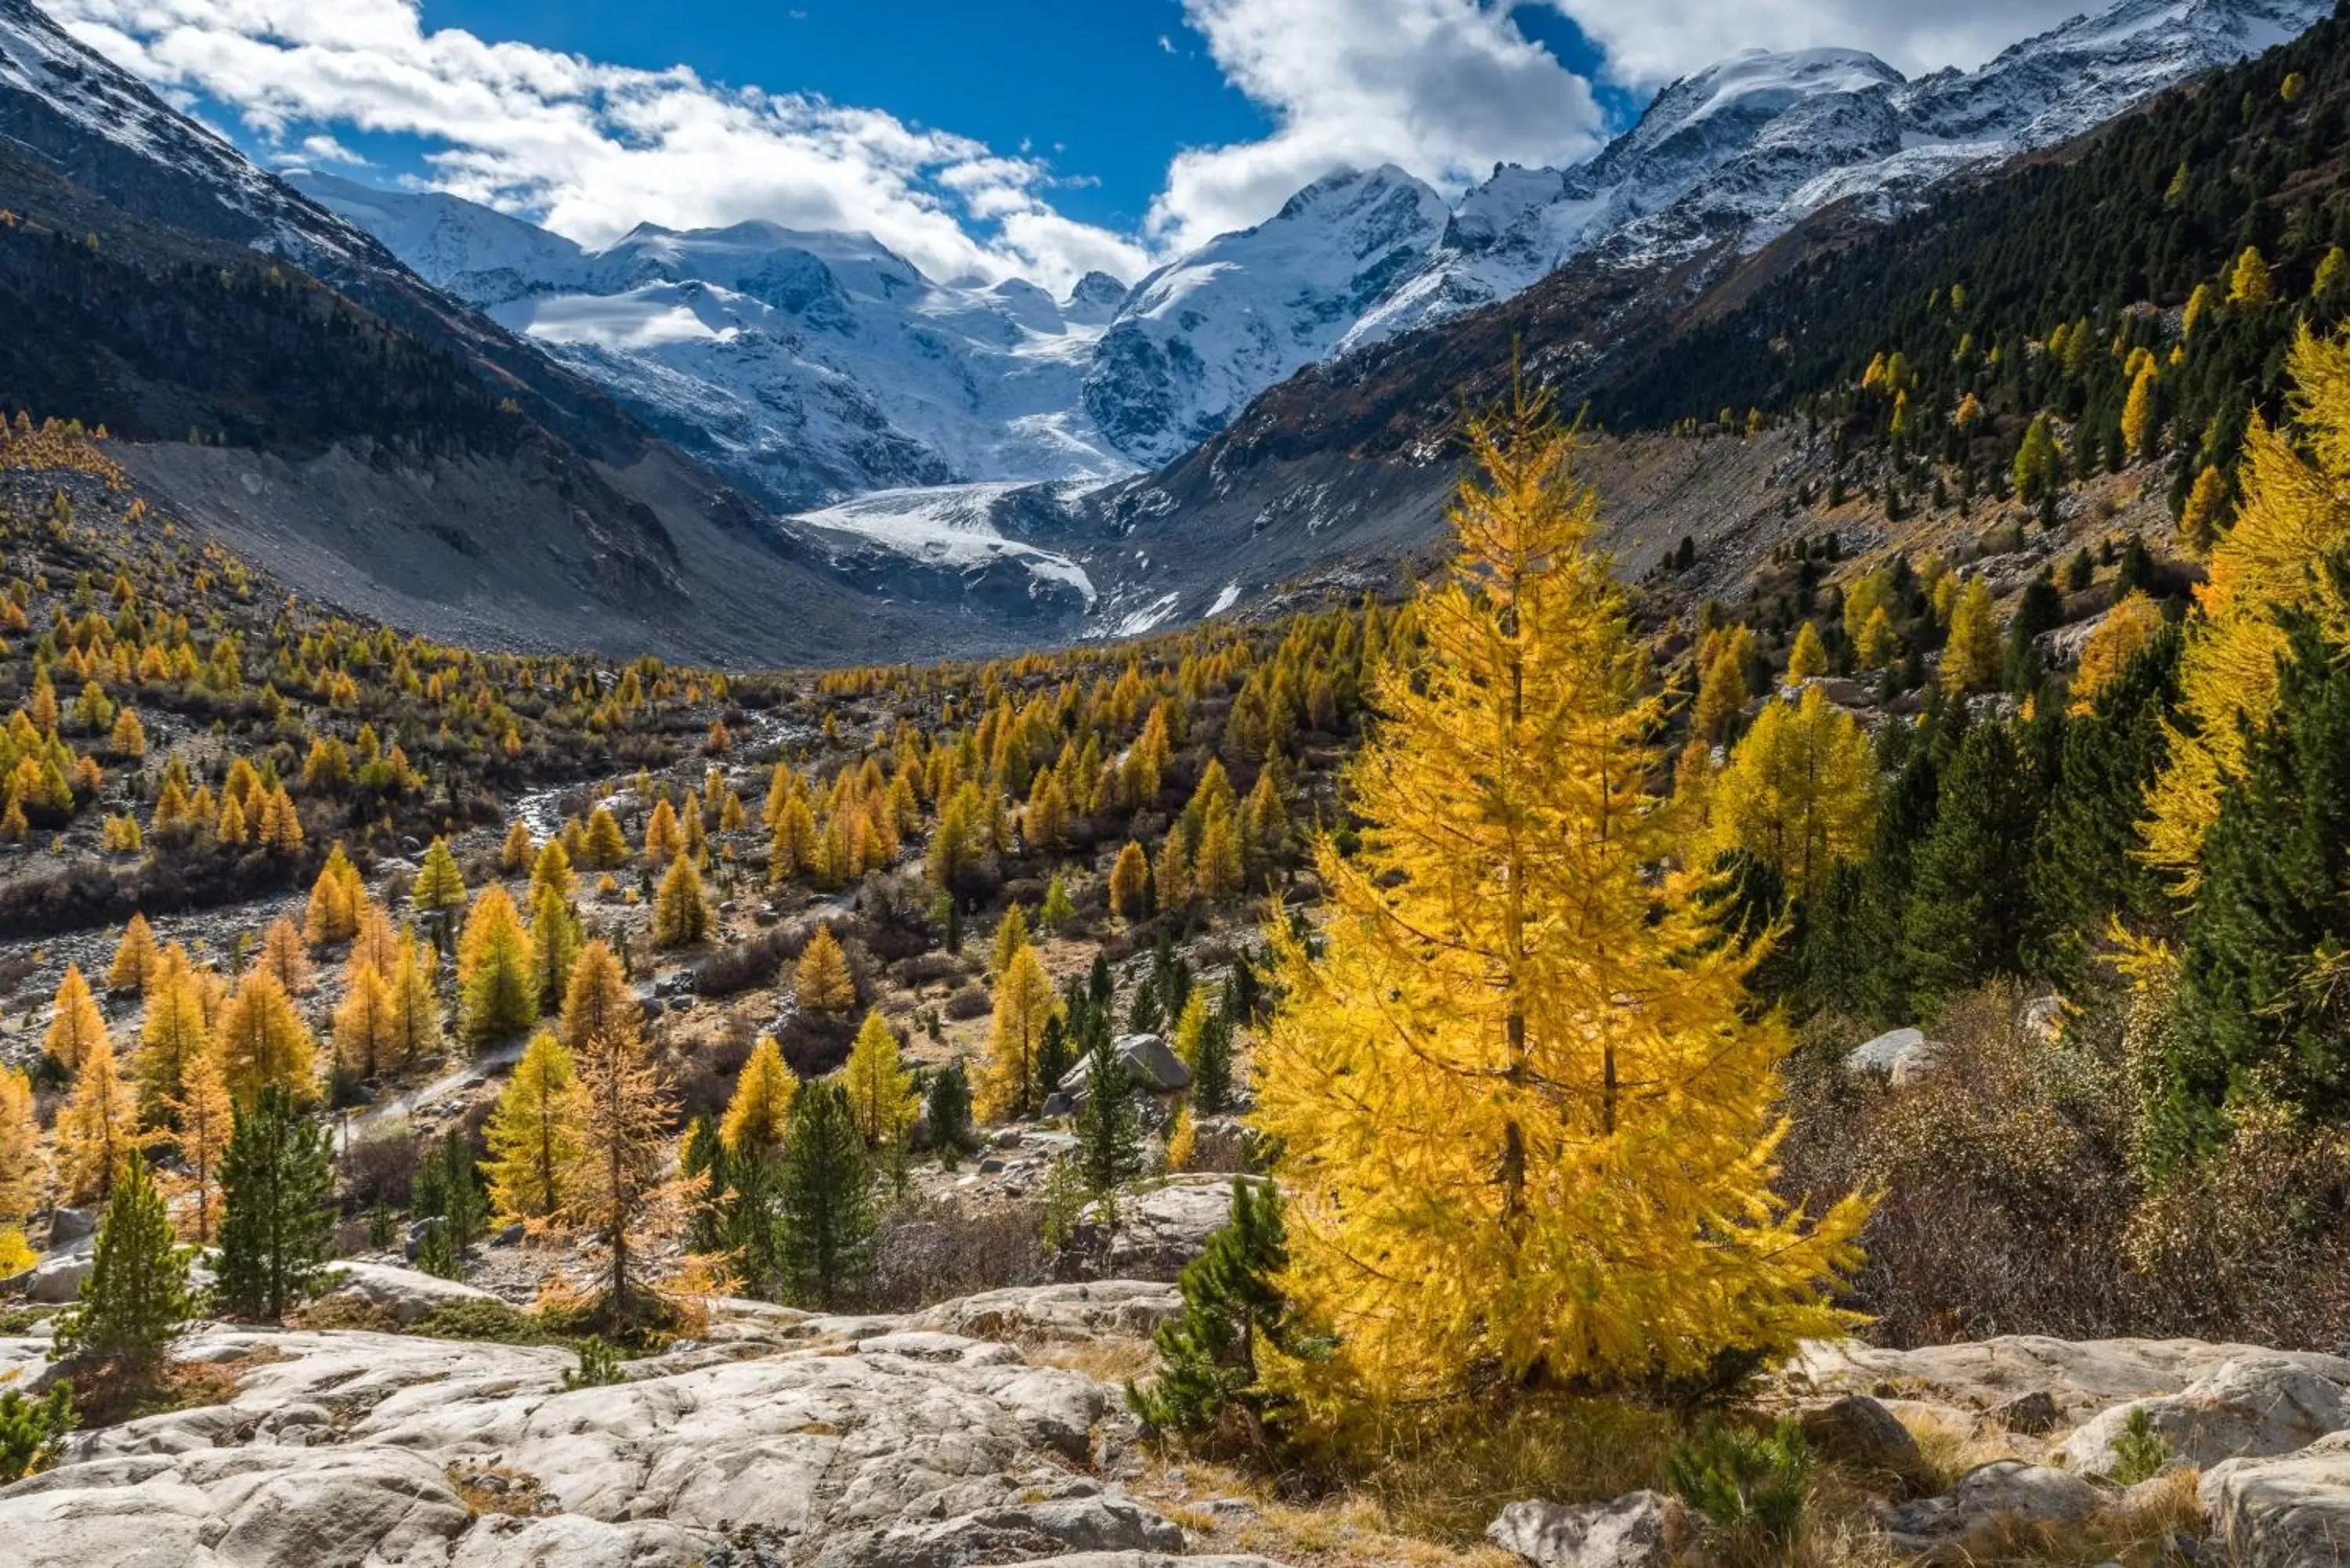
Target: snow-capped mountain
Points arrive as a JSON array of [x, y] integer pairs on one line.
[[1746, 149], [816, 366], [1201, 337], [807, 366]]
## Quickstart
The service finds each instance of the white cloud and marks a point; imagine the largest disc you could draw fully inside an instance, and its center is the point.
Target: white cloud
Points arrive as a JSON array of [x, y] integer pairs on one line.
[[1446, 88], [324, 149], [1650, 43], [592, 150]]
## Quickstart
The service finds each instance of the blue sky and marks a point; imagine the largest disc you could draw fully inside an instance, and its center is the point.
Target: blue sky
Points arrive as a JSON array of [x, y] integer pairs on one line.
[[1043, 138]]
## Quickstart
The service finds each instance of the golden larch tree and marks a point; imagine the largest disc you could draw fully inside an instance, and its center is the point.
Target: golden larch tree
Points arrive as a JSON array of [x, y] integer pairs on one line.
[[880, 1090], [204, 1116], [1025, 1003], [134, 956], [77, 1026], [759, 1114], [534, 1132], [821, 979], [2129, 626], [1525, 1117], [263, 1040], [98, 1129], [497, 990], [1970, 660], [612, 1184], [1799, 791], [24, 1170], [2294, 509]]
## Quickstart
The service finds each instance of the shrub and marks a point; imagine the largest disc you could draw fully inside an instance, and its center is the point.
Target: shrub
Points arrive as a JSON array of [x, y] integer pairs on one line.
[[2140, 1452], [970, 1002], [1749, 1487], [599, 1365], [33, 1431]]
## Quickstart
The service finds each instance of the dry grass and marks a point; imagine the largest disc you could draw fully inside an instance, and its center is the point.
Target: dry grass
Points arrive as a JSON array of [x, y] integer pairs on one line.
[[1103, 1360]]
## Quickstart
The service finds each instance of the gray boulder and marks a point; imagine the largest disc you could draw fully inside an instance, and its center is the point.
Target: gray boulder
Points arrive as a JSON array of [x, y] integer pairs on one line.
[[2034, 1415], [1145, 1058], [407, 1294], [1989, 1501], [2286, 1511], [1640, 1530], [2251, 1407], [1860, 1431], [1899, 1054]]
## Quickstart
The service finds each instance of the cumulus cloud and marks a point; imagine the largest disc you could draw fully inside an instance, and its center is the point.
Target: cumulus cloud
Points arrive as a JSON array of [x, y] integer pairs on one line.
[[1445, 88], [1651, 43], [592, 150]]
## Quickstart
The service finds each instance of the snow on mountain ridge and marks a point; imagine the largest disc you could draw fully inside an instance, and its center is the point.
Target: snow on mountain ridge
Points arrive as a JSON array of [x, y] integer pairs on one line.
[[817, 366]]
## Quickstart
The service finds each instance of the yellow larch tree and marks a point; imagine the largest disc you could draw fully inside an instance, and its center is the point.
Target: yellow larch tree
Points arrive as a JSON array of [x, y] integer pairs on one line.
[[1025, 1003], [204, 1116], [534, 1133], [367, 1028], [134, 956], [1970, 659], [617, 1177], [514, 854], [284, 955], [1526, 1120], [822, 980], [2129, 626], [439, 887], [759, 1114], [1129, 884], [24, 1170], [262, 1041], [77, 1026], [170, 1037], [415, 1002], [1809, 656], [596, 1000], [880, 1090], [98, 1128], [663, 838], [497, 992], [337, 898], [1799, 791], [681, 912], [2294, 509], [606, 846]]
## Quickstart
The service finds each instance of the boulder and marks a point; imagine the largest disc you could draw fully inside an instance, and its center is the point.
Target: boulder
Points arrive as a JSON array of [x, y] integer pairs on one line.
[[2035, 1414], [407, 1294], [1018, 1532], [1860, 1431], [1145, 1058], [2077, 1374], [1899, 1054], [1989, 1501], [1641, 1529], [70, 1225], [2250, 1407], [2286, 1511], [57, 1279], [1165, 1226]]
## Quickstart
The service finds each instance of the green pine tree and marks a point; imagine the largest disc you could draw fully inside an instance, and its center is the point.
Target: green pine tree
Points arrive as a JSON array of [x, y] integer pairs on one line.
[[827, 1197], [1970, 902], [1211, 1073], [134, 1300], [946, 1110], [1232, 1306], [448, 1190], [277, 1219], [2083, 870], [1109, 1132]]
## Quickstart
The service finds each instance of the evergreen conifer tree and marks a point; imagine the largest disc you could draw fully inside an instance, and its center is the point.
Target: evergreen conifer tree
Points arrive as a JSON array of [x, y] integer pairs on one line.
[[827, 1198], [1234, 1310], [277, 1215], [1970, 907], [134, 1300]]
